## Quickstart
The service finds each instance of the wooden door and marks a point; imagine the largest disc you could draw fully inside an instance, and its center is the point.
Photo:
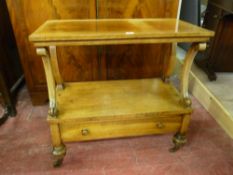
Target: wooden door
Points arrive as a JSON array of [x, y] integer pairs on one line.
[[9, 56], [87, 63], [137, 8], [76, 64], [135, 61]]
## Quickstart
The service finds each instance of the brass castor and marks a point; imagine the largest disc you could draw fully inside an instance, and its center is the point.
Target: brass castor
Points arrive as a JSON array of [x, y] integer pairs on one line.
[[57, 162], [179, 140], [59, 153]]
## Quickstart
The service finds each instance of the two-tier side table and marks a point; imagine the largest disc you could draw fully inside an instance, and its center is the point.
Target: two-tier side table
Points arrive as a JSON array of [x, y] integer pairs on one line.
[[81, 111]]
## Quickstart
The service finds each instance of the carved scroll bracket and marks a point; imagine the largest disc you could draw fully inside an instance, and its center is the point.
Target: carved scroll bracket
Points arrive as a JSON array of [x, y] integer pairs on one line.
[[192, 52], [43, 52]]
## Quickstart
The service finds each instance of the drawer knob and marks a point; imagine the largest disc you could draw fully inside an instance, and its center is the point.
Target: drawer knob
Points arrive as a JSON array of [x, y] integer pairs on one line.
[[85, 132], [160, 125]]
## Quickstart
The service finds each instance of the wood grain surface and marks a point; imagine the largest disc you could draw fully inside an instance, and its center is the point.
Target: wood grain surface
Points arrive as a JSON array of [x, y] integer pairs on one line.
[[121, 108], [79, 63], [118, 100], [116, 29]]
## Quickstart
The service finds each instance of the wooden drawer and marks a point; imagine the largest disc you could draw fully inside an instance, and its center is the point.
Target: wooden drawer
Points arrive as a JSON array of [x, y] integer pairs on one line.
[[102, 130]]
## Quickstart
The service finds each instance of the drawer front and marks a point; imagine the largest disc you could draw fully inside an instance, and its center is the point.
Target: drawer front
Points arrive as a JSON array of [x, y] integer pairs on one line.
[[94, 131]]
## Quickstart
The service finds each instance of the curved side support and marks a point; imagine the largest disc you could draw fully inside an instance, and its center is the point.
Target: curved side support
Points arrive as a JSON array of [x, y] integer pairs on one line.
[[195, 47], [55, 67], [50, 80]]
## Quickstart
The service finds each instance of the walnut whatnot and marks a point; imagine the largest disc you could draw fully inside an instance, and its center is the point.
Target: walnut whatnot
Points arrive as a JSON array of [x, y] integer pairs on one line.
[[124, 108]]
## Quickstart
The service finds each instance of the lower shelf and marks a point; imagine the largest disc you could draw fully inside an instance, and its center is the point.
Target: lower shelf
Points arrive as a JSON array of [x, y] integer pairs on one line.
[[109, 109], [124, 99]]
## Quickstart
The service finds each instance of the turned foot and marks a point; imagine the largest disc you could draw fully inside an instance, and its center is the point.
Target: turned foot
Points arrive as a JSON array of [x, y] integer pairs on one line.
[[59, 153], [57, 162], [179, 140]]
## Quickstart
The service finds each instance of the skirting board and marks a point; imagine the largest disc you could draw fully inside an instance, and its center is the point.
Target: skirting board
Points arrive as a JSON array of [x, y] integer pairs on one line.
[[211, 104]]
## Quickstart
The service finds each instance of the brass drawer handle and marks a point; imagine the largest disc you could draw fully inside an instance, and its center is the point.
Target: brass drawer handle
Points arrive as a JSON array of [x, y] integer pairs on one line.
[[160, 125], [85, 131]]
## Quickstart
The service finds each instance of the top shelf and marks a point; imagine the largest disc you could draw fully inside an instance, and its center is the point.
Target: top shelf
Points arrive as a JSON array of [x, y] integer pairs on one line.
[[117, 31]]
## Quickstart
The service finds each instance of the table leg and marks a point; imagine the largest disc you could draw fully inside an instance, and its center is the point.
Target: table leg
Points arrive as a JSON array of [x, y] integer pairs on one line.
[[179, 138], [59, 149]]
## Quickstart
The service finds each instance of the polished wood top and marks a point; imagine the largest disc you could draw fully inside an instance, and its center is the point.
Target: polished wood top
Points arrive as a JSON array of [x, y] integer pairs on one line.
[[117, 29]]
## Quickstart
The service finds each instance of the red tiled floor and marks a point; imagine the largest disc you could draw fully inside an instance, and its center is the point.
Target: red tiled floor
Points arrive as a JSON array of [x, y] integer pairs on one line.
[[25, 148]]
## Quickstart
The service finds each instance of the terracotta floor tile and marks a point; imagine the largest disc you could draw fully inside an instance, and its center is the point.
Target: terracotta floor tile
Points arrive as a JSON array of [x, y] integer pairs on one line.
[[25, 148], [99, 159]]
